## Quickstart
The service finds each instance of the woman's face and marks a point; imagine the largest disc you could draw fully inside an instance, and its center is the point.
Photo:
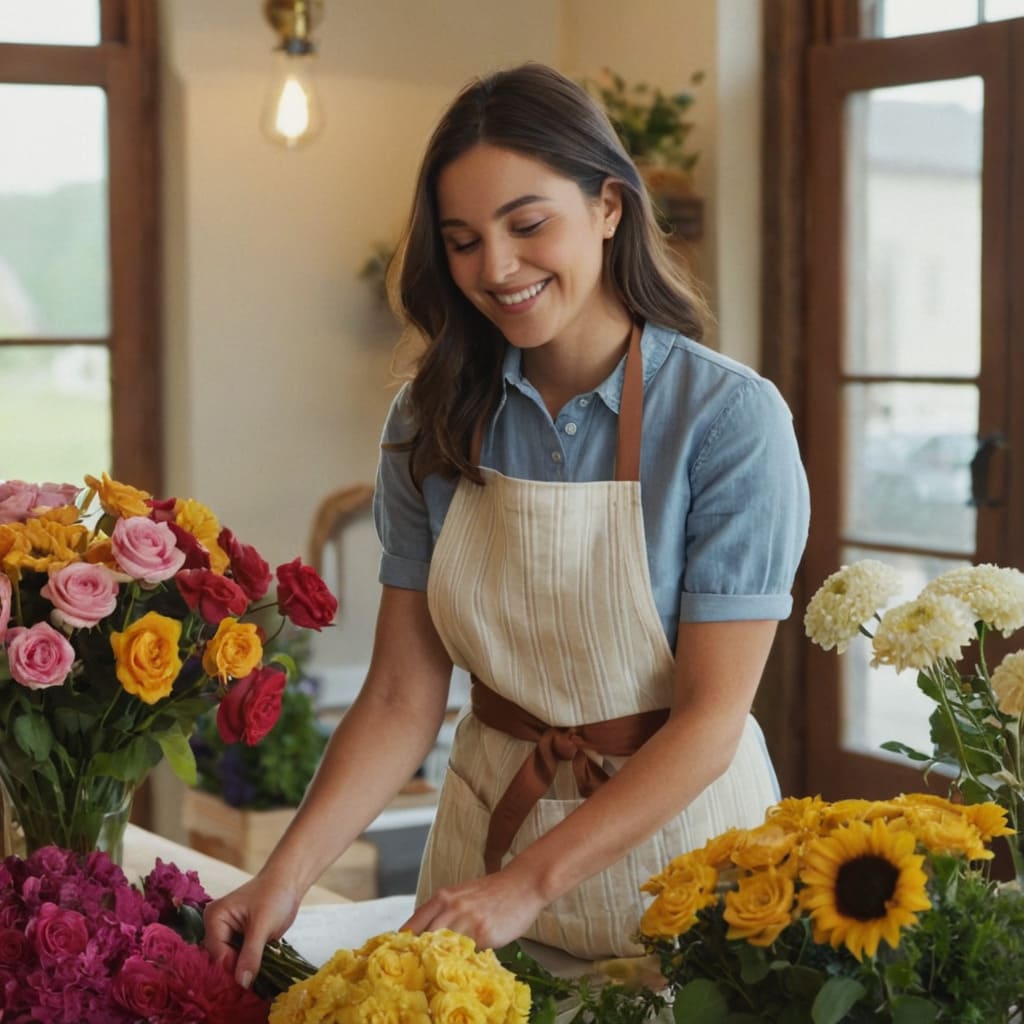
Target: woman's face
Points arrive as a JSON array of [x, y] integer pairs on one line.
[[525, 245]]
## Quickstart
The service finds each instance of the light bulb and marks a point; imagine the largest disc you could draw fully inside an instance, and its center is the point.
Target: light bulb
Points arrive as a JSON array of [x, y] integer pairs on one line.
[[291, 112]]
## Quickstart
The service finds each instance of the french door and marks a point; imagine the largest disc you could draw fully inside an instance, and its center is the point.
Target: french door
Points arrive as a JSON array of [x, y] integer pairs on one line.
[[914, 411]]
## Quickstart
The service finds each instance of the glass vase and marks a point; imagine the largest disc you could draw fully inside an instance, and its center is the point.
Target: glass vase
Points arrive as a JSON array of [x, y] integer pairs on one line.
[[79, 814]]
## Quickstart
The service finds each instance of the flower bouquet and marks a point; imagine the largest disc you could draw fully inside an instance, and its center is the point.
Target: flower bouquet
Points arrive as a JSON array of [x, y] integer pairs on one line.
[[976, 724], [79, 944], [119, 626], [433, 978], [851, 911]]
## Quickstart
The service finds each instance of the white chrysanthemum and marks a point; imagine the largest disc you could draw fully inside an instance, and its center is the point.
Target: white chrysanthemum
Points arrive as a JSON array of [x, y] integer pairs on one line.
[[1008, 684], [922, 632], [848, 599], [995, 595]]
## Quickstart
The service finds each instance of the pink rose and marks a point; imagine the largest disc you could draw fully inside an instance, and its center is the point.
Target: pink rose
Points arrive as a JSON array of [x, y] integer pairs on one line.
[[146, 550], [39, 656], [14, 949], [20, 501], [214, 595], [251, 708], [303, 597], [248, 569], [82, 594], [56, 934], [160, 943], [5, 605], [142, 988]]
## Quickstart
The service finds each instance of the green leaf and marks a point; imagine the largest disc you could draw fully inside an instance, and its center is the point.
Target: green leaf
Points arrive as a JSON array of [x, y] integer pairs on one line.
[[901, 748], [131, 764], [545, 1014], [700, 1002], [803, 981], [913, 1010], [175, 746], [33, 735], [753, 963], [836, 998]]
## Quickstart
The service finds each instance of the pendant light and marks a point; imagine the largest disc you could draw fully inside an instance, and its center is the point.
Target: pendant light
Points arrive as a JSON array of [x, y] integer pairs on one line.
[[292, 115]]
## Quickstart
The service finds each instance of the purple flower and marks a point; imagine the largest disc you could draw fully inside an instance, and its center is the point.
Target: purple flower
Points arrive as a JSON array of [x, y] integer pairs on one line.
[[167, 888]]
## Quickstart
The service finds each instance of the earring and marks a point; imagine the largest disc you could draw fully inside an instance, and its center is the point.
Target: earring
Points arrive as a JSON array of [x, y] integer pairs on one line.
[[609, 231]]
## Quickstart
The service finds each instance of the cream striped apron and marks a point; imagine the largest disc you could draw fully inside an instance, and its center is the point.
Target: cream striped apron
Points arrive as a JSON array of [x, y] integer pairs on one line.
[[542, 590]]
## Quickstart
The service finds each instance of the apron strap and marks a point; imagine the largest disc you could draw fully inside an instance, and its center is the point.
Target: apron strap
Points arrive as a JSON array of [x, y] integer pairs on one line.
[[631, 416], [614, 737]]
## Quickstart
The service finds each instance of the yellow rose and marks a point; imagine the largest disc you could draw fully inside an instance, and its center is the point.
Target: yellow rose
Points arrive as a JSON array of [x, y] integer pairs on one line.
[[798, 814], [493, 992], [233, 651], [456, 1008], [760, 908], [147, 656], [764, 846], [204, 526], [675, 909], [396, 967], [119, 499], [450, 974]]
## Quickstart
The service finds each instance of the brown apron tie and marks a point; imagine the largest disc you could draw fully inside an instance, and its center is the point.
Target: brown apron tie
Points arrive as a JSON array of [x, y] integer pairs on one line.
[[614, 737]]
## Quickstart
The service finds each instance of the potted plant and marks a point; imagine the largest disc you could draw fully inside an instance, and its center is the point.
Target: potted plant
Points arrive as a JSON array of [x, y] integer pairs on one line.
[[655, 129]]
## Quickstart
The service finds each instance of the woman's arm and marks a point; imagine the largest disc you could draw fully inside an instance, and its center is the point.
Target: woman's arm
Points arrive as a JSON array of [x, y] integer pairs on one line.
[[375, 749], [715, 685]]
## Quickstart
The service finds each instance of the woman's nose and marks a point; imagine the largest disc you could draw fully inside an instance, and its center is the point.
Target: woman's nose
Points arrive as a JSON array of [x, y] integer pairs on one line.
[[500, 260]]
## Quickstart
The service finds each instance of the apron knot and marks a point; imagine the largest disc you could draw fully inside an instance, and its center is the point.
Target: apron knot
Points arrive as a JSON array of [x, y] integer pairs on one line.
[[616, 737]]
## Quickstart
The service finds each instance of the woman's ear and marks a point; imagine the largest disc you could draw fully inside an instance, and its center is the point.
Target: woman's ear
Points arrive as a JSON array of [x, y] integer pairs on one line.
[[610, 205]]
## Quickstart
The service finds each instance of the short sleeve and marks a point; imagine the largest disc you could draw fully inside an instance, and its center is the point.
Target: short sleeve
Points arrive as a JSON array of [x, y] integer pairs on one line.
[[749, 512], [399, 511]]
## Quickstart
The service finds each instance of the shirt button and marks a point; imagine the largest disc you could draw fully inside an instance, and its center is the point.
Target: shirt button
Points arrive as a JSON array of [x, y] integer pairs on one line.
[[570, 429], [584, 402], [556, 456]]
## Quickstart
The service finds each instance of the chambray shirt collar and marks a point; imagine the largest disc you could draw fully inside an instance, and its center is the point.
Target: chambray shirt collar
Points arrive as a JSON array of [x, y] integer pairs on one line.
[[655, 345]]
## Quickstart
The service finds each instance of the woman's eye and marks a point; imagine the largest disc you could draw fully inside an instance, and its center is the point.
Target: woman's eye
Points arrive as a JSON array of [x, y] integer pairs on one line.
[[459, 246], [528, 229]]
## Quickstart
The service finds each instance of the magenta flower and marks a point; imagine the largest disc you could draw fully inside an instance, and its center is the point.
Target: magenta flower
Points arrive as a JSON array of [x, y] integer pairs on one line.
[[20, 501], [146, 550], [82, 594], [39, 656]]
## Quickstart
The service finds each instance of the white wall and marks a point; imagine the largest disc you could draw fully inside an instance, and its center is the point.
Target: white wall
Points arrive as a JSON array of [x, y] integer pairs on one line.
[[277, 355]]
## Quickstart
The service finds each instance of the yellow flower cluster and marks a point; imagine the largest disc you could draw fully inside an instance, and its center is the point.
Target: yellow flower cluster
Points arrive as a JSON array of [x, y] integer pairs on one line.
[[854, 867], [400, 978]]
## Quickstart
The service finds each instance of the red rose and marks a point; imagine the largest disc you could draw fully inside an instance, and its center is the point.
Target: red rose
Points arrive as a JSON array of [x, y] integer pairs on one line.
[[196, 556], [163, 509], [251, 708], [214, 595], [248, 569], [57, 934], [303, 597], [14, 949], [142, 987]]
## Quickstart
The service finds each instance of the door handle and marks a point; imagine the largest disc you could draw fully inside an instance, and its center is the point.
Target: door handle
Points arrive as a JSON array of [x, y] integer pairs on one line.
[[981, 463]]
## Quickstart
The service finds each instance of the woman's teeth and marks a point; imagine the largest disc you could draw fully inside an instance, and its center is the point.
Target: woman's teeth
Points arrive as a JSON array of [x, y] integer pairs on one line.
[[516, 297]]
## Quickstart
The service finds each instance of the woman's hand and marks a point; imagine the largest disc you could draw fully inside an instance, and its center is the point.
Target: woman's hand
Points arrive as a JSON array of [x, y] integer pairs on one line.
[[260, 910], [492, 911]]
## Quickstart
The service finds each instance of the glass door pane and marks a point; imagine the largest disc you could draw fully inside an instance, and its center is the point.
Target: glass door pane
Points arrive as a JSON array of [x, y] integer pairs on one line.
[[60, 22], [54, 250], [910, 359], [55, 420]]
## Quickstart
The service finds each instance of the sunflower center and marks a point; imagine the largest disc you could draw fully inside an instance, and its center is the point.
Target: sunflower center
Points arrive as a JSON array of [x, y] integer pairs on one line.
[[864, 886]]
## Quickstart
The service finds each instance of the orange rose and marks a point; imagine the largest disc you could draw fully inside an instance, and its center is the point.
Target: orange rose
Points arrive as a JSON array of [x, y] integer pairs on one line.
[[119, 499], [147, 656], [234, 651]]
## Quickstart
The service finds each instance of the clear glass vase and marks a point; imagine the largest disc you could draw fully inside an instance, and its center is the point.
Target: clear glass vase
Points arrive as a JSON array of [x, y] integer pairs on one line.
[[79, 814]]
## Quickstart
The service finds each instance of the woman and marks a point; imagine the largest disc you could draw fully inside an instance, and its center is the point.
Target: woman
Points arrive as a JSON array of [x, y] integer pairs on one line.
[[589, 511]]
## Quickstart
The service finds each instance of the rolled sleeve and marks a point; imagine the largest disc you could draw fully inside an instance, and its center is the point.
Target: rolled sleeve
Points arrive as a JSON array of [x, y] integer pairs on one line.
[[750, 509], [399, 511]]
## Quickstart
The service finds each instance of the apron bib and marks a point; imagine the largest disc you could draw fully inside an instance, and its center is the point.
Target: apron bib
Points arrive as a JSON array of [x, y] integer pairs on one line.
[[542, 591]]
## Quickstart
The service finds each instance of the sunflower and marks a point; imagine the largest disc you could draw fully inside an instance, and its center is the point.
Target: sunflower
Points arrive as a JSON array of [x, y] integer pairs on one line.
[[862, 884]]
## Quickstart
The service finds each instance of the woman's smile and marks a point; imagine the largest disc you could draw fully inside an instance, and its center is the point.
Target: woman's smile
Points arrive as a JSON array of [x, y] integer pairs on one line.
[[521, 299]]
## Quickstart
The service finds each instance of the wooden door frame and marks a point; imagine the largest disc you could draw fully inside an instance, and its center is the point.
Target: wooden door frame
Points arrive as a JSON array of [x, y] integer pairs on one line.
[[835, 72]]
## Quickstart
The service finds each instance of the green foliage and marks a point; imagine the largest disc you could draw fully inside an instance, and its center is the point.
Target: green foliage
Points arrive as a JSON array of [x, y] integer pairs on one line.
[[275, 772], [585, 1000], [651, 124]]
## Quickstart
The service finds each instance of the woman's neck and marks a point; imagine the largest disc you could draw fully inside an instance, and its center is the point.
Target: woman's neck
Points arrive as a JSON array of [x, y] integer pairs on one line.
[[562, 369]]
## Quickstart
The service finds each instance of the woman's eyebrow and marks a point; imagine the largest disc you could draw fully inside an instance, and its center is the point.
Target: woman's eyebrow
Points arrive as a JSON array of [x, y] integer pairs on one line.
[[512, 204]]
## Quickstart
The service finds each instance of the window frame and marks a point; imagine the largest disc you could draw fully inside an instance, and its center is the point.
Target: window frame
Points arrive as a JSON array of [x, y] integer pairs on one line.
[[125, 65]]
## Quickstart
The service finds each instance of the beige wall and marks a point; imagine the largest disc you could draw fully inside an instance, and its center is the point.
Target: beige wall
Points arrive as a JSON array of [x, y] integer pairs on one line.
[[277, 354]]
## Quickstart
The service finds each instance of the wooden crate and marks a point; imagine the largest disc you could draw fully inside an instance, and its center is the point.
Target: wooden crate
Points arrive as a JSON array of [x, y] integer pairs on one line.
[[245, 838]]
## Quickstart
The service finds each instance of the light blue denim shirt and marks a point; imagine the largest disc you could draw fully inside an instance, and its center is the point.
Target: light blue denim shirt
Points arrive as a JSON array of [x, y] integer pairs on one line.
[[723, 490]]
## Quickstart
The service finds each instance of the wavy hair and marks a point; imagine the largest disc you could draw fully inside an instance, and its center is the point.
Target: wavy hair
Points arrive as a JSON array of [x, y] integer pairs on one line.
[[537, 112]]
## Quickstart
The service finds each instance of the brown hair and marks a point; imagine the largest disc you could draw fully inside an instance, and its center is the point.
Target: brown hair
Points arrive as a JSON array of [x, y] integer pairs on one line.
[[535, 111]]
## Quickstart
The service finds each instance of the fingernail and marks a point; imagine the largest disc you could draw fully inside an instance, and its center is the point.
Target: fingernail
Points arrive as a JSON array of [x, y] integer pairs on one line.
[[246, 979]]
